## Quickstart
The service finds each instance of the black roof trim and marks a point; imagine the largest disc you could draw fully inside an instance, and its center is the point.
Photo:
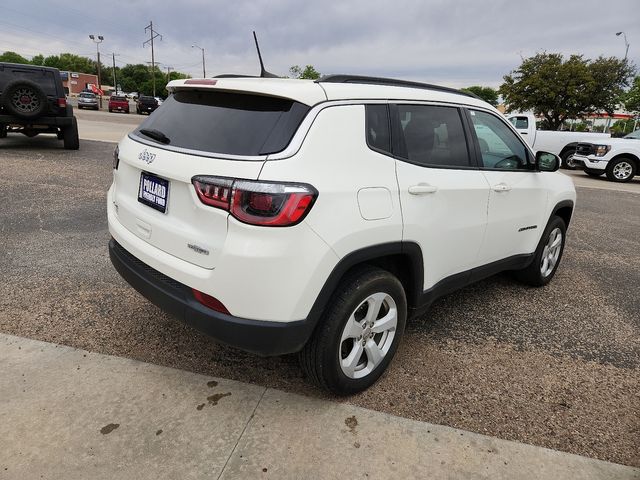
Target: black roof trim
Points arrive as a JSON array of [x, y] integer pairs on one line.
[[392, 82], [4, 65]]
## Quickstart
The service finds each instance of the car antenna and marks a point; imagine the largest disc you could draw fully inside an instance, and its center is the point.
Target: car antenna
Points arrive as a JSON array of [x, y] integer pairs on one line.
[[263, 72]]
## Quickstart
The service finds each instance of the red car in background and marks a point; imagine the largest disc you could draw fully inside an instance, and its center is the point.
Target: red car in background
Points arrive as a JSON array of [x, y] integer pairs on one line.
[[119, 103]]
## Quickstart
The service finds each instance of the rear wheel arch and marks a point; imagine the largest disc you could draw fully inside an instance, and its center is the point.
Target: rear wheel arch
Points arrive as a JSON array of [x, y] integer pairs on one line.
[[402, 259]]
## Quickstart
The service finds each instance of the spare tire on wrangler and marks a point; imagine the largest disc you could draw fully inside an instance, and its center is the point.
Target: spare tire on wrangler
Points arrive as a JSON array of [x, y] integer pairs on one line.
[[24, 98]]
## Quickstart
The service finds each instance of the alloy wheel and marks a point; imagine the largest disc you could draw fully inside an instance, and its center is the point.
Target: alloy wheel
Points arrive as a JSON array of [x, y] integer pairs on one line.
[[551, 252], [622, 170], [368, 335]]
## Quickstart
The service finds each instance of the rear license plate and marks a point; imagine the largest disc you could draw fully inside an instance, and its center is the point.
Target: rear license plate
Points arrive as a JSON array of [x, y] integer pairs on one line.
[[153, 191]]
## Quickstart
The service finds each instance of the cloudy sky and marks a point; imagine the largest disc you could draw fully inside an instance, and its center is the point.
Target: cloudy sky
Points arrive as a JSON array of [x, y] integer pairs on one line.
[[456, 42]]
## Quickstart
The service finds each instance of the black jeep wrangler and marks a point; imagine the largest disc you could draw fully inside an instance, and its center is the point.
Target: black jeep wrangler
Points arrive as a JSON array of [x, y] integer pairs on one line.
[[32, 101]]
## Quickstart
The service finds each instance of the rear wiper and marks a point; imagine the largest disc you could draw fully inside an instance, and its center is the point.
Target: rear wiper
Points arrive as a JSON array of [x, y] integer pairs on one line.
[[156, 135]]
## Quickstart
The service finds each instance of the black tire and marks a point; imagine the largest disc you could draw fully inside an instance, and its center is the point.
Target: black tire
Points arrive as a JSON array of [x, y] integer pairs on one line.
[[593, 173], [621, 169], [566, 160], [110, 111], [533, 275], [70, 136], [320, 357], [24, 99], [3, 131]]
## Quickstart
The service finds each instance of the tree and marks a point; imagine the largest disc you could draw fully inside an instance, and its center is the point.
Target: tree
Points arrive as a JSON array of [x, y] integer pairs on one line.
[[488, 94], [559, 89], [38, 60], [134, 78], [621, 127], [309, 72], [13, 57], [70, 62], [632, 98]]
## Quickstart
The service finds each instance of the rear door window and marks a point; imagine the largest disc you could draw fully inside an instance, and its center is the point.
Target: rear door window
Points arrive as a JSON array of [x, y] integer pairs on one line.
[[226, 123], [432, 136]]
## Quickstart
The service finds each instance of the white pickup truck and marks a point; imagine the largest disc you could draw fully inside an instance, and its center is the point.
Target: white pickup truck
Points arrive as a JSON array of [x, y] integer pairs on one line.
[[562, 143], [619, 158]]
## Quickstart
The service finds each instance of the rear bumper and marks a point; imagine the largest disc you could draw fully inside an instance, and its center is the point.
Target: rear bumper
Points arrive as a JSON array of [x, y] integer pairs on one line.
[[56, 121], [260, 337]]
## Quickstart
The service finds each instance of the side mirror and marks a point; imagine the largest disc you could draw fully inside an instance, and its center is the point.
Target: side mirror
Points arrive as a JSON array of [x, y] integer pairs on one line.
[[547, 162]]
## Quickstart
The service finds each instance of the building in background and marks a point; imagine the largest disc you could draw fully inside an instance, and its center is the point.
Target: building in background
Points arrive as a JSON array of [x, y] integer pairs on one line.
[[74, 82]]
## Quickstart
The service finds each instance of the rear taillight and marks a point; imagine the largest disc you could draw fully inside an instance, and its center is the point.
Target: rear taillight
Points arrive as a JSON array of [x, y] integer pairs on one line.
[[213, 191], [257, 203], [62, 102], [116, 157]]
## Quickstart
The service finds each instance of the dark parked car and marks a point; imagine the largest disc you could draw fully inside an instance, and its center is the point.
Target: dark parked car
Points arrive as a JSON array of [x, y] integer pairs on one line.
[[32, 101], [146, 105], [119, 103]]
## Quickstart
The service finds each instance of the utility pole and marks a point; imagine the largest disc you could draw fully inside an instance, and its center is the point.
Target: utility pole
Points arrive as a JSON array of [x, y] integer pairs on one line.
[[115, 79], [152, 35], [97, 39], [204, 72], [168, 72]]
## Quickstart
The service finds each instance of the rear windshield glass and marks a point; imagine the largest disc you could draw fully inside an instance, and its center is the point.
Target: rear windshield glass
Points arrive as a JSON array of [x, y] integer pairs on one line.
[[225, 123], [88, 95], [118, 99], [45, 79]]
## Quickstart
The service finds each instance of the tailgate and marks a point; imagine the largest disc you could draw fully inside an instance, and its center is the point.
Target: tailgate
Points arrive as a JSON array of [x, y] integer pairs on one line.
[[187, 229]]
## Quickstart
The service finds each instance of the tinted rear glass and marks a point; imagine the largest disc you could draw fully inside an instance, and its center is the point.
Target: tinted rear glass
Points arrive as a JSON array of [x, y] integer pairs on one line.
[[147, 100], [44, 78], [226, 123], [88, 95], [118, 99]]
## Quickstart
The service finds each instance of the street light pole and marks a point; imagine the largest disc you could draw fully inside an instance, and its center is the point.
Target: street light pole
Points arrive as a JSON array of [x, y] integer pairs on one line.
[[204, 72], [97, 39], [626, 43]]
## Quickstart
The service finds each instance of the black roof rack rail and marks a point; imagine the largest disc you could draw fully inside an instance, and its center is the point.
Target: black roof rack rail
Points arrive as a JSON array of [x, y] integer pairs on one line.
[[392, 82]]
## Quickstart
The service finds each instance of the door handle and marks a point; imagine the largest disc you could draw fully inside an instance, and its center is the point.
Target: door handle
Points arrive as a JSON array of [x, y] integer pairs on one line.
[[422, 189], [501, 187]]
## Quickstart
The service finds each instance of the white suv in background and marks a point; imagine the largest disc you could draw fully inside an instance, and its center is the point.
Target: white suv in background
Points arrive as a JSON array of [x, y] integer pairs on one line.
[[284, 216]]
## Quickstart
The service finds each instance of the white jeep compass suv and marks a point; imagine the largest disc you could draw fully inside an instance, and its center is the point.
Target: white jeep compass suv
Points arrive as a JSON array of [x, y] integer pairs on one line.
[[284, 216]]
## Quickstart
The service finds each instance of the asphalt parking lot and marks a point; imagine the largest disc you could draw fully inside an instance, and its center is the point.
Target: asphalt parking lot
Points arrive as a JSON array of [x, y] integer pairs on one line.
[[557, 367]]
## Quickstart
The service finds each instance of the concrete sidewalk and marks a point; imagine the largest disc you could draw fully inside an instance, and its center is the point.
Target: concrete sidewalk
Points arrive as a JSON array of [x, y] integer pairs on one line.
[[67, 413]]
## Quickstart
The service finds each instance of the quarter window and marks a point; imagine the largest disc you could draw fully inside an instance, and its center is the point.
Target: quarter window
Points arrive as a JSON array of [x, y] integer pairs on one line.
[[377, 125], [499, 146], [433, 136]]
